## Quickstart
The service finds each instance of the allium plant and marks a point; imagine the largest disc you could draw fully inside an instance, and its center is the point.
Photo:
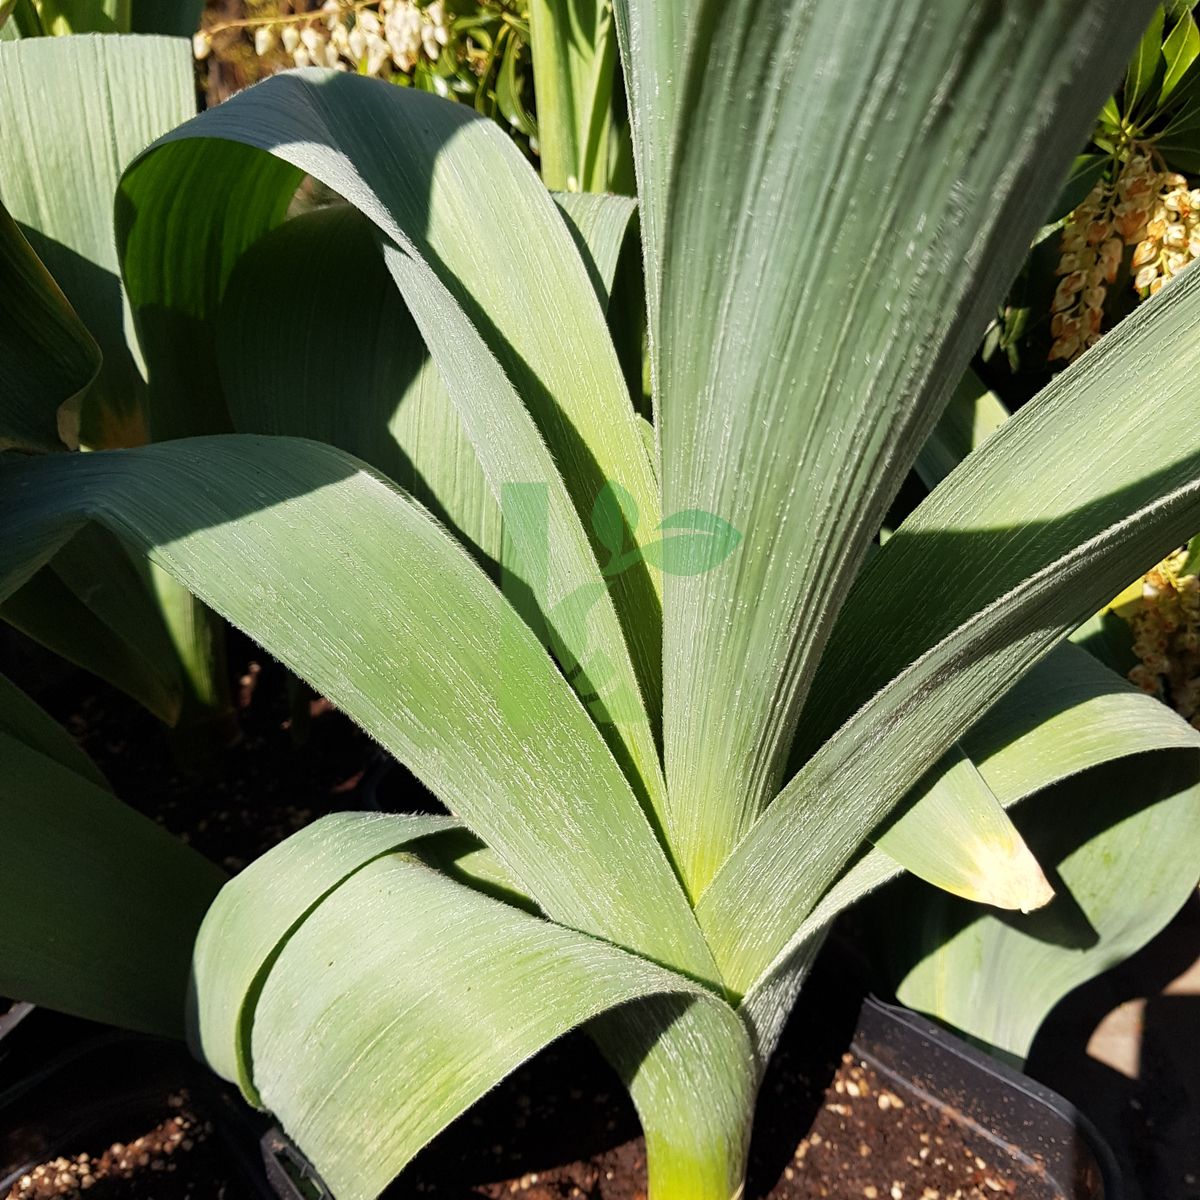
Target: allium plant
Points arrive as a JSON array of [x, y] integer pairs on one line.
[[666, 779]]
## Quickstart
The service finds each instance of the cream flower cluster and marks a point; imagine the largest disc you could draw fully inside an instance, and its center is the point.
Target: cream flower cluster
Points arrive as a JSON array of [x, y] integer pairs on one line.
[[1166, 637], [1143, 207], [1171, 238], [391, 35]]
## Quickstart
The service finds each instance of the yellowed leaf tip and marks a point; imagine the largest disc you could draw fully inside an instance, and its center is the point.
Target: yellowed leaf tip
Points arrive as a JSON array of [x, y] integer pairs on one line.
[[1008, 876]]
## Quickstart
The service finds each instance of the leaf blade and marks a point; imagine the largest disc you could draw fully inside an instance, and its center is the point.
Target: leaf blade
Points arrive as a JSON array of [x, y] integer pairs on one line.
[[316, 558], [797, 381]]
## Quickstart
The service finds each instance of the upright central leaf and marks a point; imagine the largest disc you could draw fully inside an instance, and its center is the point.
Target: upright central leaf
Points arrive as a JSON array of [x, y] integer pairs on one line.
[[843, 210]]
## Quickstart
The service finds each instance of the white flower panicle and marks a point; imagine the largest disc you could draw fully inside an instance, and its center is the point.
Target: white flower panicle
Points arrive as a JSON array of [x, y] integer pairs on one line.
[[378, 37], [1144, 207]]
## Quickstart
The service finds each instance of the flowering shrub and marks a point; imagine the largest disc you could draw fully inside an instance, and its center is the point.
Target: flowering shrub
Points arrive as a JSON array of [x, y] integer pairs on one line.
[[1127, 220], [374, 38], [476, 51], [1153, 209]]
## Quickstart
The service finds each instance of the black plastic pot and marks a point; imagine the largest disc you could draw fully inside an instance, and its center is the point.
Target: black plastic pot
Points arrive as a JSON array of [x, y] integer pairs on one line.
[[1035, 1126], [67, 1084]]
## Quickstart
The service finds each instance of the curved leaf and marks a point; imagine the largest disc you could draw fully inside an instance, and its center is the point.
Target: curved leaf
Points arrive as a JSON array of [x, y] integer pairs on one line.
[[766, 888], [398, 974], [316, 558], [455, 194], [365, 383], [957, 836], [1125, 847], [495, 305], [1029, 536], [1068, 715], [599, 224], [1047, 481], [258, 910]]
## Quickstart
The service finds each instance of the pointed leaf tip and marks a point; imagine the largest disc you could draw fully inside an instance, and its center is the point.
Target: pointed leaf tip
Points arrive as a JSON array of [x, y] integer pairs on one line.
[[1008, 876]]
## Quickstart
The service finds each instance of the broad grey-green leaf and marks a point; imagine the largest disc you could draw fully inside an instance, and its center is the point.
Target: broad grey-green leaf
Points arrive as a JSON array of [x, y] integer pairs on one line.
[[548, 555], [488, 264], [838, 235], [368, 385], [452, 190], [695, 542], [257, 911], [653, 42], [1067, 716], [47, 357], [403, 997], [100, 903], [599, 224], [178, 246], [1112, 435], [693, 1074], [76, 111], [1034, 533], [316, 558], [957, 837], [1125, 848]]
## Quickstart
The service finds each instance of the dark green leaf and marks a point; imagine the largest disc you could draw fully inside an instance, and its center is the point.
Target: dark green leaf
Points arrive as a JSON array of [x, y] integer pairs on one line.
[[101, 904], [1086, 170], [47, 357], [1145, 62], [1180, 51]]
